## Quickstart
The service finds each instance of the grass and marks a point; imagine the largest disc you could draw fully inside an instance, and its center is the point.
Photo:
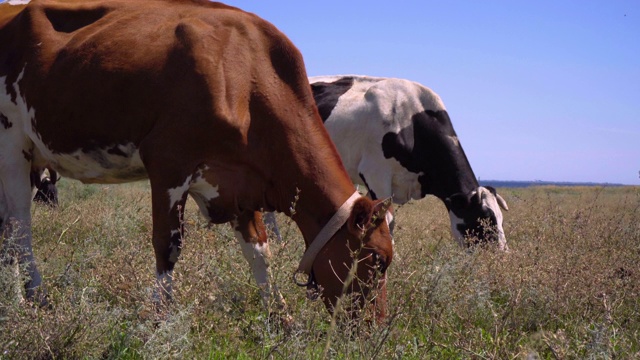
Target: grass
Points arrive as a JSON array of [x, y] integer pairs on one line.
[[569, 288]]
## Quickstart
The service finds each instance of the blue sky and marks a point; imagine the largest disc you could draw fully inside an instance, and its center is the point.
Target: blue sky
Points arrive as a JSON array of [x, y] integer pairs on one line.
[[536, 90]]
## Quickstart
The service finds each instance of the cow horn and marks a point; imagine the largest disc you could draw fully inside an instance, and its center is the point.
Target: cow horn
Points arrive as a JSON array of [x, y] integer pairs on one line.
[[501, 202]]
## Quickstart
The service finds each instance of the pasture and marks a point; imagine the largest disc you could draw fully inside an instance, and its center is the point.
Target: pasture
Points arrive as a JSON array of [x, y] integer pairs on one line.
[[569, 288]]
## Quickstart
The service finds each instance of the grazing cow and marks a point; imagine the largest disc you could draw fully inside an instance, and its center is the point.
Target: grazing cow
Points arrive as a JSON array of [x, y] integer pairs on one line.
[[43, 184], [202, 99], [395, 138]]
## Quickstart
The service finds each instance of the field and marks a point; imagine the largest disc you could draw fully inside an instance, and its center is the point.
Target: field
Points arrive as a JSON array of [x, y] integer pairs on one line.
[[569, 288]]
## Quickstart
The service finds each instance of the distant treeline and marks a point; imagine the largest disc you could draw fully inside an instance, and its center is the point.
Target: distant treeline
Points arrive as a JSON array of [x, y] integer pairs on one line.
[[522, 184]]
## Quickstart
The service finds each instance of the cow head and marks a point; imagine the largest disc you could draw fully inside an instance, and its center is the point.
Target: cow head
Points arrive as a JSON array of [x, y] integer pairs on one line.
[[477, 215], [366, 235], [45, 185]]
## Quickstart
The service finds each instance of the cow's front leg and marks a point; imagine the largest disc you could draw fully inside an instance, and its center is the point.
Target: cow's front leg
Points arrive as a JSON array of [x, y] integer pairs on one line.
[[379, 182], [168, 230], [250, 232]]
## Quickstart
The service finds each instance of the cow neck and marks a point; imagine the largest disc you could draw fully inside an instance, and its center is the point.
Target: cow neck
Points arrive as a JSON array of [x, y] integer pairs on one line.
[[337, 220], [456, 186], [454, 177], [317, 172], [314, 210], [439, 156]]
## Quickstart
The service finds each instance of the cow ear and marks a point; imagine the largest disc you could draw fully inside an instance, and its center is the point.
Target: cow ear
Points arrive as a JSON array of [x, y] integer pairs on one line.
[[492, 190], [380, 209], [499, 199], [361, 216], [457, 201]]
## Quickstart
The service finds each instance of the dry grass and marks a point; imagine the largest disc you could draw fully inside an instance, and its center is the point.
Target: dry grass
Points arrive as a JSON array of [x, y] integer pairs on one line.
[[570, 287]]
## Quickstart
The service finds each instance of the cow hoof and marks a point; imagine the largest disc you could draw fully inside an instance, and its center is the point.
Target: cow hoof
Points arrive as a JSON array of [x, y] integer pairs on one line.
[[38, 298], [281, 321]]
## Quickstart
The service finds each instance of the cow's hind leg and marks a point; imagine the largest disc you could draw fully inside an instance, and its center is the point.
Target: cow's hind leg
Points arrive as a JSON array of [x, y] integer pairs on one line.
[[15, 197], [272, 225], [250, 232], [168, 229], [379, 182]]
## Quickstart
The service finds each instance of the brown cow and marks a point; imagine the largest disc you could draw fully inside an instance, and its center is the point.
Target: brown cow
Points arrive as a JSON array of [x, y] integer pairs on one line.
[[201, 98]]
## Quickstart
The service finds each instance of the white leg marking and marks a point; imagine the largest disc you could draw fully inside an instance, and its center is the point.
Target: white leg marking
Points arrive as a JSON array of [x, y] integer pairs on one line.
[[257, 255]]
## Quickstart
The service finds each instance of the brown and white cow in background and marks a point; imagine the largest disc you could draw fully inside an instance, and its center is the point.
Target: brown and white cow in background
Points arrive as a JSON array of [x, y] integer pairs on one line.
[[395, 137], [204, 100]]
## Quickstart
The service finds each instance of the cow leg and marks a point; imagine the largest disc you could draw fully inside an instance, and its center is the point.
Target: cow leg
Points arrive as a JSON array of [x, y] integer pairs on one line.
[[271, 224], [379, 183], [251, 234], [168, 229], [16, 217]]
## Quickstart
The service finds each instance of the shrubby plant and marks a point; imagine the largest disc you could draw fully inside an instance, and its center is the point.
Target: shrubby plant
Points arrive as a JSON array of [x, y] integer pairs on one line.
[[569, 287]]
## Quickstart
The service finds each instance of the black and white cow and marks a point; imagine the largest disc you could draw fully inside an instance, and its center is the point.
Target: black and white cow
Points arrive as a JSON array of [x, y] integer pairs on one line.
[[43, 185], [395, 137]]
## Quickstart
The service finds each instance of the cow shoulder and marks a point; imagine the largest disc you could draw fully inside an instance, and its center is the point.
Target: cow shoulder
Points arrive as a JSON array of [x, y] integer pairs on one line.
[[395, 101], [326, 94], [413, 115]]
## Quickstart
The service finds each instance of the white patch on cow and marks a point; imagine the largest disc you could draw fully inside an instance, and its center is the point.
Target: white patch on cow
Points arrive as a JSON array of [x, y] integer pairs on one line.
[[112, 164], [457, 235], [199, 188], [99, 165], [362, 116], [18, 112], [405, 186], [203, 192], [371, 108], [176, 193], [257, 255], [490, 201], [388, 216], [15, 185], [18, 2]]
